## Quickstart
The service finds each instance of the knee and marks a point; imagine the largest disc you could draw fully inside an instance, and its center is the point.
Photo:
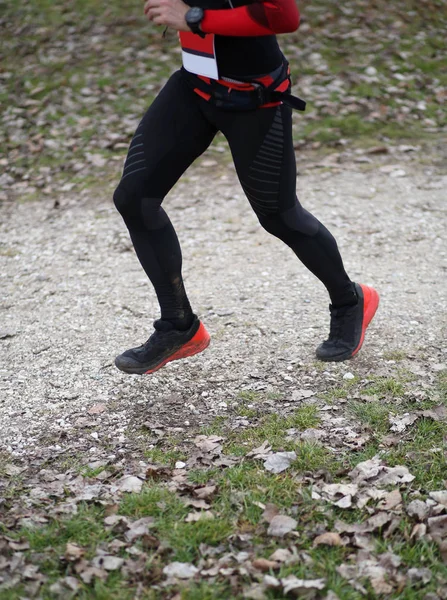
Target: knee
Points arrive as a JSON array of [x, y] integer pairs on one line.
[[122, 200]]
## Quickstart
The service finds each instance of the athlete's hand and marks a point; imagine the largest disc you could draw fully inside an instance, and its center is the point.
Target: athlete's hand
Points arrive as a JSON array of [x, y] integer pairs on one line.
[[167, 12]]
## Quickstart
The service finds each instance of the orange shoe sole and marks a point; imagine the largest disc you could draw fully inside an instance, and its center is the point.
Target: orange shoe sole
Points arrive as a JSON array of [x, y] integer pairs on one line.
[[196, 344], [370, 306]]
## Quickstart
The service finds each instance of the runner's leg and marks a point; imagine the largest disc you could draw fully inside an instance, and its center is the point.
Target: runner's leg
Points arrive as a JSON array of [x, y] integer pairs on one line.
[[262, 147], [171, 135]]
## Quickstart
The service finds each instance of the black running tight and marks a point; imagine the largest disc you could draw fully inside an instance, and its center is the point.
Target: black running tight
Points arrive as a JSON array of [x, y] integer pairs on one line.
[[178, 127]]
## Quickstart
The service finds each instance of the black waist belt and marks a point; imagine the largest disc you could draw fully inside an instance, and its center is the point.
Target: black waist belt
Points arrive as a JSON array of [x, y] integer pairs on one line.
[[233, 99], [228, 98]]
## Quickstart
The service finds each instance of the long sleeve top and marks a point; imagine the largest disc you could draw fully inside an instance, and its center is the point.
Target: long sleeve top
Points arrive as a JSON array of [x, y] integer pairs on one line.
[[245, 31]]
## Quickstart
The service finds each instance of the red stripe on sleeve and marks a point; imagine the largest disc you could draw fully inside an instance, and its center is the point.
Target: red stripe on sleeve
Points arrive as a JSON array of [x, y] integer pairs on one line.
[[261, 18]]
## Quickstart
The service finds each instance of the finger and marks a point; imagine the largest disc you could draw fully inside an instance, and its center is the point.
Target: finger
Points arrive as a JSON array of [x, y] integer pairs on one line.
[[153, 13], [150, 4], [160, 20]]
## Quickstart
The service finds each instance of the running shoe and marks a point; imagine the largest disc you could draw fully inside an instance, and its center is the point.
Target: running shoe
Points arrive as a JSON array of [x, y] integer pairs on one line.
[[348, 326], [164, 345]]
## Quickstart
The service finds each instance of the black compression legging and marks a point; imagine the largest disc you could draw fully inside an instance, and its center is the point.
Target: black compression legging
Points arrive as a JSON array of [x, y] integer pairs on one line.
[[178, 127]]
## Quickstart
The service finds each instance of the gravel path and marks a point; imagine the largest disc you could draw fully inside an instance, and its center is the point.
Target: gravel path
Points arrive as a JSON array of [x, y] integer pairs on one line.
[[73, 296]]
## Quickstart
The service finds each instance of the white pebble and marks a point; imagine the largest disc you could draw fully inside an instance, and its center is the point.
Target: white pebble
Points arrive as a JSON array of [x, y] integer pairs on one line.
[[348, 376]]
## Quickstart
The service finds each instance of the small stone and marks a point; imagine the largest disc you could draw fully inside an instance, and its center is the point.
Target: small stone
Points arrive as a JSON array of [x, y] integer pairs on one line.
[[348, 376]]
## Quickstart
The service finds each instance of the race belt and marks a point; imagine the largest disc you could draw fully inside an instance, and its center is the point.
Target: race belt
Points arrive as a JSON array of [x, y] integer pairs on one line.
[[260, 92]]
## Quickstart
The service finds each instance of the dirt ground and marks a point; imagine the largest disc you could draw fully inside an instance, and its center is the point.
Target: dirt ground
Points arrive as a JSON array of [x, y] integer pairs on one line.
[[73, 296]]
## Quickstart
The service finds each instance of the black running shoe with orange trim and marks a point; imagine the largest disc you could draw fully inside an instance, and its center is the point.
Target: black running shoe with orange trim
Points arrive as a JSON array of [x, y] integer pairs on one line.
[[348, 326], [164, 345]]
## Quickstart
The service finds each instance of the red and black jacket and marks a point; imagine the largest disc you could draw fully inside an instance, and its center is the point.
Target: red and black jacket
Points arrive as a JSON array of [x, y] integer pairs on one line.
[[245, 32]]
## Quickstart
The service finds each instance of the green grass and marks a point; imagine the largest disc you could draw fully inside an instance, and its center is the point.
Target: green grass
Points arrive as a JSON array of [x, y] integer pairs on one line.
[[424, 452], [84, 529], [272, 428], [372, 414], [396, 355], [385, 387], [153, 501], [164, 456]]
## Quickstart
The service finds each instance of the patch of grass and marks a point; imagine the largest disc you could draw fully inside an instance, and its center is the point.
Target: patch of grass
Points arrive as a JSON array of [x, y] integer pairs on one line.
[[250, 397], [216, 427], [87, 471], [164, 456], [313, 457], [274, 396], [184, 539], [324, 562], [115, 587], [305, 417], [335, 393], [247, 412], [396, 355], [202, 476], [169, 512], [273, 428], [208, 591], [85, 529], [424, 453], [153, 501], [373, 414], [386, 386]]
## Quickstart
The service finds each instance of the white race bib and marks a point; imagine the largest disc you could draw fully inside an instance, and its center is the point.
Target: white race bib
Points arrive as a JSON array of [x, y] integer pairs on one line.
[[198, 54]]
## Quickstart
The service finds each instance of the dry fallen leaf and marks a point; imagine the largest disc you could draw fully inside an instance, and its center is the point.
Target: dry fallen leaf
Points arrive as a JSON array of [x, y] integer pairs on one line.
[[391, 500], [281, 555], [255, 592], [73, 552], [440, 497], [88, 574], [210, 443], [418, 508], [192, 517], [279, 462], [199, 504], [423, 575], [328, 539], [262, 452], [139, 528], [129, 483], [270, 511], [302, 588], [180, 570], [400, 422], [375, 472], [262, 564], [437, 527], [281, 525], [419, 531], [107, 562], [205, 492]]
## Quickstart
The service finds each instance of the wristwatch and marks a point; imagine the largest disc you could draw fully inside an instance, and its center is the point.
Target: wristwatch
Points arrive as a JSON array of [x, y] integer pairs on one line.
[[193, 18]]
